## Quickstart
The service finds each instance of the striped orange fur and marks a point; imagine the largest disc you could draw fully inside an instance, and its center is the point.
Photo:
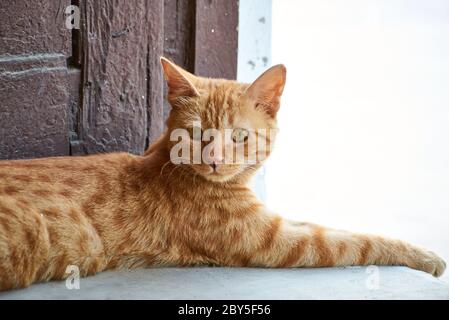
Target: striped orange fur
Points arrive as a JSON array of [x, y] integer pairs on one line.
[[119, 210]]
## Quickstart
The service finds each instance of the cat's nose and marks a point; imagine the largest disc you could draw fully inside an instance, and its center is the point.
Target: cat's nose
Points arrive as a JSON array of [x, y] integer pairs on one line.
[[216, 163]]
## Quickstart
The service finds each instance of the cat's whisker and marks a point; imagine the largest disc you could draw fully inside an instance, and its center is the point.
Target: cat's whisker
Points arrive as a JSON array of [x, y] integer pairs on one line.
[[163, 167], [173, 170]]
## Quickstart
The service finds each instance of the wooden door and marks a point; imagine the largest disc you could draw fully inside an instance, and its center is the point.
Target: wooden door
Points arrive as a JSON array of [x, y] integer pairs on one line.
[[100, 88]]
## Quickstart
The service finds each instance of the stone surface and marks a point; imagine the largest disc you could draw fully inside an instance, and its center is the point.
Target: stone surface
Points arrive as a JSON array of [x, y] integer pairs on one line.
[[246, 283], [28, 28], [33, 106], [34, 46]]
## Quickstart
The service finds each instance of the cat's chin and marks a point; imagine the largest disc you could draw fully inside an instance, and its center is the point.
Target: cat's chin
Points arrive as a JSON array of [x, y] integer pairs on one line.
[[220, 178]]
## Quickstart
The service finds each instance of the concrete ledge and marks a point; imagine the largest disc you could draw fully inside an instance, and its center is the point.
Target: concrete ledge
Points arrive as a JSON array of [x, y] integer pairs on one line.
[[246, 283]]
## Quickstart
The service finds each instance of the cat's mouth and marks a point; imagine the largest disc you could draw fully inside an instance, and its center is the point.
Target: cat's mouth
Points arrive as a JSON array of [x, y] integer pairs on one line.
[[215, 174], [219, 175]]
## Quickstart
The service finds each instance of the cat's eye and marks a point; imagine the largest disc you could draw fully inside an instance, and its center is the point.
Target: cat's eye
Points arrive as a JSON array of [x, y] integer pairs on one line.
[[195, 133], [240, 135]]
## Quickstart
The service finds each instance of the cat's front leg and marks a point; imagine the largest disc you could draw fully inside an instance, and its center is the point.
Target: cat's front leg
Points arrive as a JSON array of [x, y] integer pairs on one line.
[[283, 243]]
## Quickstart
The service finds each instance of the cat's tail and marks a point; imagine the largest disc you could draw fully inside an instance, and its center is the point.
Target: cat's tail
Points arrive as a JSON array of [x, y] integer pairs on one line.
[[24, 244]]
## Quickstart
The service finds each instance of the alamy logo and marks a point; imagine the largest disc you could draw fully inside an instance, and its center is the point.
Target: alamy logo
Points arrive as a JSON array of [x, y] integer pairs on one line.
[[72, 20], [73, 280], [373, 280], [227, 146]]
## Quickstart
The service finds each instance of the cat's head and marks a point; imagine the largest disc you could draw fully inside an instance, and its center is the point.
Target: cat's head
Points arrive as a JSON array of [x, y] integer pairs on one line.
[[221, 129]]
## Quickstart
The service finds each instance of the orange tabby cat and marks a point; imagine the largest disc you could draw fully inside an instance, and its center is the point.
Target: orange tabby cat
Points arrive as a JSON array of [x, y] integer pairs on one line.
[[123, 211]]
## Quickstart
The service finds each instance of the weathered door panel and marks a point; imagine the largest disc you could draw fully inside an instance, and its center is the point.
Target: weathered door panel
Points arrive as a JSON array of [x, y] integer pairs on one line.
[[34, 45]]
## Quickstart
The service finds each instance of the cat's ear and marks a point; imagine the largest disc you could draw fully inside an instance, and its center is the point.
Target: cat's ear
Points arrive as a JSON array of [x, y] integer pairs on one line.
[[180, 82], [266, 91]]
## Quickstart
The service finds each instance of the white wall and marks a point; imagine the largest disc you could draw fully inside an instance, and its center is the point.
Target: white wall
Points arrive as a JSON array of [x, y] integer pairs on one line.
[[254, 55], [364, 124]]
